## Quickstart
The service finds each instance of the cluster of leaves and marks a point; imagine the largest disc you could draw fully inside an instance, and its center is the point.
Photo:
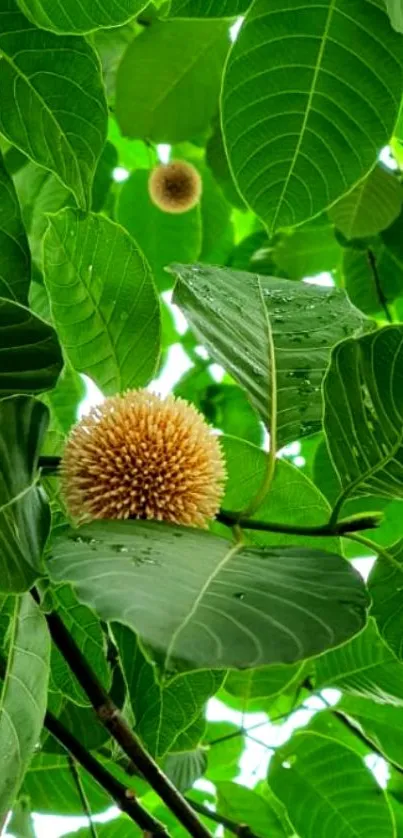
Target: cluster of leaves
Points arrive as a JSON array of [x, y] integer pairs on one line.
[[285, 126]]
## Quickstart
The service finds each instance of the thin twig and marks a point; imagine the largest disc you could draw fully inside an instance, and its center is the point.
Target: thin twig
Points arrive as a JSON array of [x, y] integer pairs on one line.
[[240, 829], [111, 718], [123, 796], [82, 795], [378, 287]]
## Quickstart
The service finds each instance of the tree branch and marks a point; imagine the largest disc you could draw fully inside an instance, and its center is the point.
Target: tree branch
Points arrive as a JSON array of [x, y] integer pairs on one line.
[[353, 524], [240, 829], [110, 717], [123, 796], [82, 795], [378, 287]]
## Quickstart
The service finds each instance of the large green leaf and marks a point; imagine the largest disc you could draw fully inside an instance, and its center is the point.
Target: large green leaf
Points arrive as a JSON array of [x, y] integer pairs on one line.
[[23, 696], [382, 723], [272, 335], [103, 300], [162, 236], [364, 413], [363, 667], [327, 790], [31, 359], [162, 713], [373, 292], [50, 785], [208, 8], [211, 604], [168, 82], [245, 806], [266, 682], [52, 103], [185, 768], [15, 260], [73, 16], [386, 585], [308, 250], [371, 207], [24, 513], [295, 76], [39, 192]]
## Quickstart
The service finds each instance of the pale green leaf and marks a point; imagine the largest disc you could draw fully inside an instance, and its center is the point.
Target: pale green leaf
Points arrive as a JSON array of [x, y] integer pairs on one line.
[[272, 335], [386, 586], [15, 260], [211, 604], [395, 12], [103, 300], [24, 512], [371, 207], [52, 103], [168, 82], [310, 95], [208, 8], [74, 16], [364, 413], [23, 696], [328, 790], [381, 723]]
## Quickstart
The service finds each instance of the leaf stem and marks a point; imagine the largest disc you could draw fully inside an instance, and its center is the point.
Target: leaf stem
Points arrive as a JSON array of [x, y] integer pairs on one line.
[[380, 551], [123, 796], [378, 286], [240, 829], [348, 525], [82, 795], [112, 719]]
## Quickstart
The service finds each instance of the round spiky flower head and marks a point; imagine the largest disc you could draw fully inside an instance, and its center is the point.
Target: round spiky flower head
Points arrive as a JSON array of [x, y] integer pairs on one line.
[[175, 187], [140, 456]]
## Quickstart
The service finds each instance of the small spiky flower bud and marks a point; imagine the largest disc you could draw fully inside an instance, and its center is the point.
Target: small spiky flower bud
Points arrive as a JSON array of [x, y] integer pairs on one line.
[[140, 456], [175, 187]]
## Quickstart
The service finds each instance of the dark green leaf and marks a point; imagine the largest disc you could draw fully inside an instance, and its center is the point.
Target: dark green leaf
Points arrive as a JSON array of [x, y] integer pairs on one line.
[[103, 300], [364, 413], [364, 667], [162, 714], [160, 235], [31, 359], [381, 723], [371, 207], [210, 603], [15, 260], [24, 513], [184, 769], [292, 81], [74, 16], [244, 806], [208, 8], [272, 335], [52, 104], [386, 585], [372, 292], [327, 790], [169, 80], [23, 696]]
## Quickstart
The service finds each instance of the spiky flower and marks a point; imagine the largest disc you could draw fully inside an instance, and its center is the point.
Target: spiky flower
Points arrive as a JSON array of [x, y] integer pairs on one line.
[[175, 187], [140, 456]]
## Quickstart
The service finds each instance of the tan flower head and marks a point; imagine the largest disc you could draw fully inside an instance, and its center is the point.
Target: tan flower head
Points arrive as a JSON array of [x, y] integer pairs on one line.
[[140, 456], [175, 187]]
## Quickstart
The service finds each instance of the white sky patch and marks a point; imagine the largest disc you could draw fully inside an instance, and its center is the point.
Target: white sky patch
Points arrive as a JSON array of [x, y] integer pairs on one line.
[[217, 372], [299, 461], [364, 565], [379, 768], [164, 152], [93, 397], [180, 321], [325, 279], [386, 157], [176, 365], [120, 174], [53, 826], [235, 28]]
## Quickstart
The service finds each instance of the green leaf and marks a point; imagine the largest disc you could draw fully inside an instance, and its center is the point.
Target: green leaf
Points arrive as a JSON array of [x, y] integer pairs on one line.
[[31, 359], [24, 513], [308, 250], [121, 827], [88, 635], [272, 335], [208, 8], [369, 292], [266, 682], [381, 723], [293, 80], [225, 743], [216, 158], [23, 696], [184, 769], [364, 667], [168, 82], [15, 260], [21, 824], [52, 103], [371, 207], [364, 413], [39, 192], [244, 806], [74, 16], [385, 585], [64, 400], [160, 235], [395, 12], [51, 787], [103, 300], [103, 178], [80, 721], [162, 714], [327, 790], [210, 603], [218, 233]]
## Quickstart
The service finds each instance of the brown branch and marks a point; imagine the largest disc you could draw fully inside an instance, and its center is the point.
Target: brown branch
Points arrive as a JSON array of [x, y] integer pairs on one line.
[[112, 719], [240, 829], [123, 796]]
